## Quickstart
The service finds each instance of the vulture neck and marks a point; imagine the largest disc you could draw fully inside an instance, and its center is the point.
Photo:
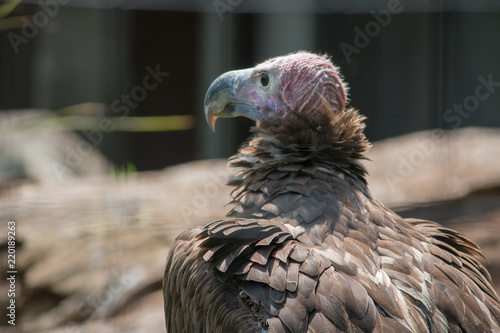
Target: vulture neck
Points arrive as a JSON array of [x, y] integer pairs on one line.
[[300, 167]]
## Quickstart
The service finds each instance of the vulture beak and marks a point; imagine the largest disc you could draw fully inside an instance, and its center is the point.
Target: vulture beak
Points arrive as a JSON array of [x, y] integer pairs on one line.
[[223, 98]]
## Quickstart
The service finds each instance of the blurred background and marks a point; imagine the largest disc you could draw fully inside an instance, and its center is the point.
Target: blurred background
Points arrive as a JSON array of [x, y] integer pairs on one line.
[[405, 68], [101, 115]]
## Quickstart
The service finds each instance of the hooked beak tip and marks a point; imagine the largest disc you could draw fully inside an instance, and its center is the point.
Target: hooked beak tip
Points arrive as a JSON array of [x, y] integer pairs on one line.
[[211, 122]]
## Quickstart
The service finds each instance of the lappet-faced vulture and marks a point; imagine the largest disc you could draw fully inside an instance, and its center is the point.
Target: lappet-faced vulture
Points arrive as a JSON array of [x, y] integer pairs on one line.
[[306, 247]]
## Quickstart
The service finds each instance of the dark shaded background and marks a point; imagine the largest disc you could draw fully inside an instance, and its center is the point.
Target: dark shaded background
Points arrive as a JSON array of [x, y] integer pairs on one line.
[[427, 58]]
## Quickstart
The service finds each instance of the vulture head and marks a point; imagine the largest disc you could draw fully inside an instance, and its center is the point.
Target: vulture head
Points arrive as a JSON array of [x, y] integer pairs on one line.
[[298, 82]]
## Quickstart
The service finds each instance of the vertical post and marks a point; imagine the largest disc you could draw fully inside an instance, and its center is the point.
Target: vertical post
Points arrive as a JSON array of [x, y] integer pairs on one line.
[[217, 53], [278, 34]]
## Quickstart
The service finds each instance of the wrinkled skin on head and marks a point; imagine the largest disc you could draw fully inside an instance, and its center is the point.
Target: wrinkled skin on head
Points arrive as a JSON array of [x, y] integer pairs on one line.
[[299, 82]]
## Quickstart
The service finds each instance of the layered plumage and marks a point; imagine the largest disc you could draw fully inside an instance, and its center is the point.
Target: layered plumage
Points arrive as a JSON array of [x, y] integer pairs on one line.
[[306, 248]]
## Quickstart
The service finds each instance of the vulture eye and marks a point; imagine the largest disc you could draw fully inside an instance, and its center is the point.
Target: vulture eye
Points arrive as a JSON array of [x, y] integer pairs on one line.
[[264, 80]]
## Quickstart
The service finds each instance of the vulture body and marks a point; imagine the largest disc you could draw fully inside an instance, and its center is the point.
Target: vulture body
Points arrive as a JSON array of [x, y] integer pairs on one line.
[[306, 247]]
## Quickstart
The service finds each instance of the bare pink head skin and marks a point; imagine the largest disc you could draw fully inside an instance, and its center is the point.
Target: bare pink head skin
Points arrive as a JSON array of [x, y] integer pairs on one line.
[[299, 82]]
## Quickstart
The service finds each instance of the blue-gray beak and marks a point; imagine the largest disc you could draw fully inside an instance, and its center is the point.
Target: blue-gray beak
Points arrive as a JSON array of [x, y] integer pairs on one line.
[[223, 98]]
